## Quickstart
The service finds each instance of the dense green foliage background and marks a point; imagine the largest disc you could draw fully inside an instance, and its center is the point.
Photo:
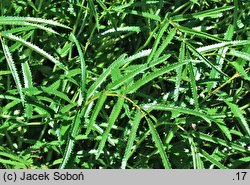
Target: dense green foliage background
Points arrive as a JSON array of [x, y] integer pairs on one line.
[[124, 84]]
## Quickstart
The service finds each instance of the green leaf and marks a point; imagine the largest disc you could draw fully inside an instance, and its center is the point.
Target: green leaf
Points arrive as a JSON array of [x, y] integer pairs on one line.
[[125, 78], [212, 160], [164, 26], [197, 162], [4, 19], [220, 58], [237, 113], [214, 13], [224, 128], [5, 72], [243, 55], [135, 124], [27, 75], [13, 159], [210, 64], [179, 72], [94, 12], [136, 29], [159, 144], [28, 25], [13, 69], [213, 47], [151, 76], [13, 163], [239, 68], [112, 118], [96, 111], [193, 85], [142, 14], [103, 76], [71, 140], [83, 68], [56, 93], [198, 33], [219, 141], [136, 56], [35, 48], [165, 43]]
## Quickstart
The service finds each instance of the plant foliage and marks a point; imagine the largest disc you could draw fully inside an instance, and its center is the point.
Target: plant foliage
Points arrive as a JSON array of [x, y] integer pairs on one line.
[[124, 84]]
